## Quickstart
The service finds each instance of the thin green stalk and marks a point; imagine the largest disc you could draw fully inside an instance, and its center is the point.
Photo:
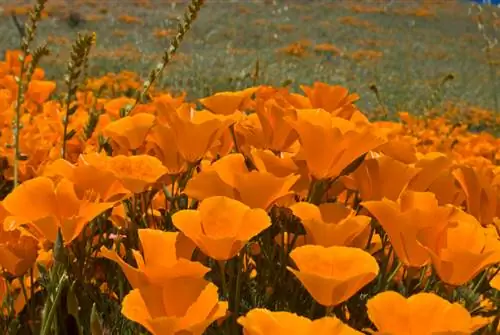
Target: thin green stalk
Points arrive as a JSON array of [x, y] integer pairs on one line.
[[237, 294], [51, 306]]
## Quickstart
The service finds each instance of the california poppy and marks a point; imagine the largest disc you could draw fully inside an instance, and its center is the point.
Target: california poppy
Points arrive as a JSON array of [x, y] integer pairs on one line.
[[221, 226], [330, 223], [481, 195], [194, 136], [226, 103], [261, 321], [371, 178], [404, 219], [422, 313], [334, 99], [230, 177], [130, 132], [18, 249], [330, 144], [163, 259], [332, 275], [52, 206], [136, 173], [460, 249], [179, 306]]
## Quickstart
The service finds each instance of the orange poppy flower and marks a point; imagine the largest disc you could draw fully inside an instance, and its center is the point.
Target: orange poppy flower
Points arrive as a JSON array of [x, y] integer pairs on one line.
[[180, 306], [112, 107], [221, 226], [165, 256], [267, 161], [18, 249], [431, 166], [261, 321], [481, 195], [136, 173], [332, 275], [194, 136], [422, 313], [226, 103], [330, 144], [461, 248], [333, 99], [230, 177], [39, 91], [277, 133], [163, 137], [372, 176], [404, 219], [86, 177], [51, 207], [330, 223], [130, 132]]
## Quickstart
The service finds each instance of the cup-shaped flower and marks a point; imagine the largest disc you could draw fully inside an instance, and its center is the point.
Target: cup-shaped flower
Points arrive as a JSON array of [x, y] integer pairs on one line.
[[136, 173], [372, 177], [460, 249], [87, 177], [481, 195], [179, 306], [226, 103], [330, 224], [221, 226], [261, 321], [163, 258], [18, 249], [51, 207], [230, 177], [162, 137], [422, 313], [277, 133], [330, 144], [194, 136], [333, 99], [332, 275], [130, 132], [402, 220]]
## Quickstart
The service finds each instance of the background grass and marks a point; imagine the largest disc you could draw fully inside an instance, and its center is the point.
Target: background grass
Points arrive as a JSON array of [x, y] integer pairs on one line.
[[419, 43]]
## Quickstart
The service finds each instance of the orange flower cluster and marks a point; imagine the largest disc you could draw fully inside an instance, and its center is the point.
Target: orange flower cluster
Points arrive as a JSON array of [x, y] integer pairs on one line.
[[258, 211]]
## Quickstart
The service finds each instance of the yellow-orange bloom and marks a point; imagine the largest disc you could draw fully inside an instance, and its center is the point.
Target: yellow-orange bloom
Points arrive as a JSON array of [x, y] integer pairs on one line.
[[195, 135], [460, 249], [165, 256], [332, 275], [226, 103], [404, 219], [330, 144], [230, 177], [372, 177], [50, 207], [330, 223], [221, 226], [333, 99], [136, 173], [180, 306], [130, 132], [18, 249], [263, 322], [422, 313]]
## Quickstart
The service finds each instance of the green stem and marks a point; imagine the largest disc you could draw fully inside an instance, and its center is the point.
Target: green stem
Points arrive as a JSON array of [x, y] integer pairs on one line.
[[28, 304], [237, 295], [47, 322], [222, 265]]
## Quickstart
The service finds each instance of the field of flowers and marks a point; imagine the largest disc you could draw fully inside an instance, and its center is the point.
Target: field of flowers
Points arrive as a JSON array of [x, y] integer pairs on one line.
[[128, 209]]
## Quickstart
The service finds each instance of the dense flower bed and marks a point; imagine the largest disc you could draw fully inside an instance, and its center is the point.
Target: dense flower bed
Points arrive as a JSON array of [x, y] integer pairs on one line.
[[262, 210]]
